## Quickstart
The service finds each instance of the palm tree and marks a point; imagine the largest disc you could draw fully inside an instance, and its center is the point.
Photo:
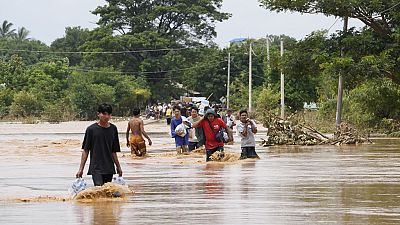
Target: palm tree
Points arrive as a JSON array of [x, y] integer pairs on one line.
[[22, 34], [5, 29]]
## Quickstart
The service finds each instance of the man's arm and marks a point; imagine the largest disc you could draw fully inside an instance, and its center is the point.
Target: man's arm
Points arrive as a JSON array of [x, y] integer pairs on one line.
[[242, 129], [127, 135], [144, 132], [85, 154], [115, 159], [173, 126], [197, 124], [230, 133]]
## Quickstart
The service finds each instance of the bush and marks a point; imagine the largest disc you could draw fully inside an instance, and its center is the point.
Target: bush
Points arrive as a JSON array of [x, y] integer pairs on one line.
[[63, 110], [268, 100], [86, 97], [373, 104], [26, 104], [6, 98]]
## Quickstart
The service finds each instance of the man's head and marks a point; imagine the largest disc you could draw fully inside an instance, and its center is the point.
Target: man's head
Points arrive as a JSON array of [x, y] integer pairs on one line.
[[229, 112], [194, 112], [243, 115], [136, 111], [216, 108], [177, 111], [210, 115], [104, 112]]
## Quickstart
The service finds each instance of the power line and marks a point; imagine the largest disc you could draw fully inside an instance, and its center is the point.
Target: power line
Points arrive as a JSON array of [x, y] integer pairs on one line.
[[390, 8], [99, 52], [377, 16], [333, 24], [144, 72]]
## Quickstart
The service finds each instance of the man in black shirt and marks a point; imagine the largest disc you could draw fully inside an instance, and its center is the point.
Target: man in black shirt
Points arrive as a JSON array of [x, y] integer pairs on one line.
[[101, 141]]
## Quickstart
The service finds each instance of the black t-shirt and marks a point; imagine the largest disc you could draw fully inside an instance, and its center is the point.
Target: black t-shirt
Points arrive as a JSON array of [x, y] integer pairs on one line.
[[101, 143]]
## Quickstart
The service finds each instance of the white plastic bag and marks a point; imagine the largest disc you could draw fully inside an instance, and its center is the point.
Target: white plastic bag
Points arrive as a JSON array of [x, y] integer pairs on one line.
[[226, 137], [181, 128], [118, 180], [77, 186]]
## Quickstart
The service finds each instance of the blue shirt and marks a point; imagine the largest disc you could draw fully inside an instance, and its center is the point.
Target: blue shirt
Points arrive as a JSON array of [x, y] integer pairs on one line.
[[179, 141]]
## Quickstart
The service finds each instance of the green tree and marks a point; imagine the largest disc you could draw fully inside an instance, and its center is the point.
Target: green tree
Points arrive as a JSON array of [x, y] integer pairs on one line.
[[26, 104], [381, 15], [157, 24], [181, 19], [370, 103], [6, 99], [29, 53], [22, 34], [130, 92], [6, 30], [72, 41], [13, 73]]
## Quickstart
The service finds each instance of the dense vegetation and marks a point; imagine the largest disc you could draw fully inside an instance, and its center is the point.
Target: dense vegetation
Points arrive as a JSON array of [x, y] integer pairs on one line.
[[149, 51]]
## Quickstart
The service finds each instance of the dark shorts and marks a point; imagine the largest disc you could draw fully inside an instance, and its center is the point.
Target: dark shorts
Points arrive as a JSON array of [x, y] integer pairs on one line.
[[209, 152], [100, 179], [248, 152], [193, 145]]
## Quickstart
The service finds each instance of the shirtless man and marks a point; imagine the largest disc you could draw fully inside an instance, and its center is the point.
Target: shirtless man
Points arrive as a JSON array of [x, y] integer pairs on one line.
[[136, 142]]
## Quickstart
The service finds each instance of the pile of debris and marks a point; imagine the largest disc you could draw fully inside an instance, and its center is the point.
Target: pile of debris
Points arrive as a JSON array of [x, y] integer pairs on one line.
[[285, 132], [292, 132], [347, 134]]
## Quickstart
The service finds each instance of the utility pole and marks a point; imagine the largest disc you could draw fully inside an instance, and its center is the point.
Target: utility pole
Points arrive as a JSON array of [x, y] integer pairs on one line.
[[282, 85], [250, 81], [229, 81], [339, 104], [269, 64]]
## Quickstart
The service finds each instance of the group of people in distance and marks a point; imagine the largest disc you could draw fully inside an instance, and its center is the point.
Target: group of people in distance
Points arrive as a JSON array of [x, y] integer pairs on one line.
[[101, 138], [196, 131]]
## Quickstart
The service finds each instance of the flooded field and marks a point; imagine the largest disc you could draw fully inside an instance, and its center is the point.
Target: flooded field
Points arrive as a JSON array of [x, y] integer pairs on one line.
[[288, 185]]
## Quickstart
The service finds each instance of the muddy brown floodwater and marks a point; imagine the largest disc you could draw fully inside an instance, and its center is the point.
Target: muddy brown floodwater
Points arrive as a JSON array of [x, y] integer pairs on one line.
[[288, 185]]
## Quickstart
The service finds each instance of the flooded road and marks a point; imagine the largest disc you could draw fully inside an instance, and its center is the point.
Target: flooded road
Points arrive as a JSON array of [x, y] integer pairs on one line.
[[288, 185]]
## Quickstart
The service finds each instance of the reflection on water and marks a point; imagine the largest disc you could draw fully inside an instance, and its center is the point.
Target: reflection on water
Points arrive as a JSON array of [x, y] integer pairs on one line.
[[97, 213], [288, 185]]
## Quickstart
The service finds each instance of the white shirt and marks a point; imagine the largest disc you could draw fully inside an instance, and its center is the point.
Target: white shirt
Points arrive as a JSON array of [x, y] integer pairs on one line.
[[249, 140]]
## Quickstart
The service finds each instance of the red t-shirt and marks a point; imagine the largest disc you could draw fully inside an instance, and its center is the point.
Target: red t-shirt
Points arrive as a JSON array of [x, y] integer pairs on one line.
[[211, 142]]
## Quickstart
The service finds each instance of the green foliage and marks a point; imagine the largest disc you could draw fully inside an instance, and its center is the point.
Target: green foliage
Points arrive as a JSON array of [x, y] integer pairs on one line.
[[26, 104], [86, 97], [6, 99], [62, 110], [327, 109], [386, 14], [22, 34], [74, 38], [6, 30], [182, 20], [13, 73], [268, 101], [373, 102], [29, 58], [61, 87], [239, 93]]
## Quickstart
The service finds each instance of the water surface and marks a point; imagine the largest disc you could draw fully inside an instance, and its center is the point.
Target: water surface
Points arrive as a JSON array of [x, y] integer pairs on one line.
[[288, 185]]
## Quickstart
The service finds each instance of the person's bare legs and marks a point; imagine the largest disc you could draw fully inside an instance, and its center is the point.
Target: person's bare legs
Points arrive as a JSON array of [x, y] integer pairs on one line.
[[185, 149], [134, 150], [179, 150]]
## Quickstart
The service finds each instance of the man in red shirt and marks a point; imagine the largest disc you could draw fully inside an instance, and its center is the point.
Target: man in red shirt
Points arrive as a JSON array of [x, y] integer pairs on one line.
[[211, 124]]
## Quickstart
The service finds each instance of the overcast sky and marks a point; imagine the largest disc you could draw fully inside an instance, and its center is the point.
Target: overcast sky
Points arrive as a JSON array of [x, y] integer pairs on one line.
[[46, 19]]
